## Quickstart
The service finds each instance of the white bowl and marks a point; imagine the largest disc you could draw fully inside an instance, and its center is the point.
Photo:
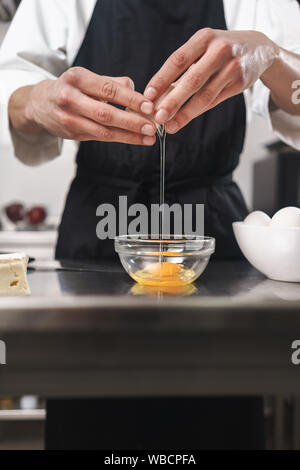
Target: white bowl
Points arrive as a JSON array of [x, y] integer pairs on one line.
[[274, 251]]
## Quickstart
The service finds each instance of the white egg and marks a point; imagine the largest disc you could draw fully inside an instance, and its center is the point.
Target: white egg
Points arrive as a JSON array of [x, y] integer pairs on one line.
[[258, 218], [287, 217]]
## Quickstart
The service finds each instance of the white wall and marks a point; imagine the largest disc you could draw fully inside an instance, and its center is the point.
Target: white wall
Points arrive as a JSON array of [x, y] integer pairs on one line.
[[45, 185], [258, 134]]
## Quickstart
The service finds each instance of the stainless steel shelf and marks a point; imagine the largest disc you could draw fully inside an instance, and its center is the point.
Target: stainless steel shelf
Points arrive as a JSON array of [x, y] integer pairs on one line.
[[22, 415]]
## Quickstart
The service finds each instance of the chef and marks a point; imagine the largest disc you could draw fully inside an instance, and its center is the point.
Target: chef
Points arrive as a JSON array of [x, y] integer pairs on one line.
[[74, 70]]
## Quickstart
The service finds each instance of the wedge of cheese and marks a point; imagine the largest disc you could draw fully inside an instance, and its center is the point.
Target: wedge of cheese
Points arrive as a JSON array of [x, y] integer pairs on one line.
[[13, 274]]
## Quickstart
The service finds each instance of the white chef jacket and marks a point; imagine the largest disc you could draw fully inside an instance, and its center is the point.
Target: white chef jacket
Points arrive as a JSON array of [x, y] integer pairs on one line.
[[45, 37]]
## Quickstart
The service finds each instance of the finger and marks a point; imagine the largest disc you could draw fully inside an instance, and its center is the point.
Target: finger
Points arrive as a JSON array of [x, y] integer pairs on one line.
[[108, 115], [106, 89], [192, 81], [217, 90], [125, 81], [82, 129], [126, 137], [231, 90], [179, 62]]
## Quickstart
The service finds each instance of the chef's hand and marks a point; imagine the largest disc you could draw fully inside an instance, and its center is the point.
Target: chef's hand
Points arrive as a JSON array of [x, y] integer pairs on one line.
[[213, 66], [77, 106]]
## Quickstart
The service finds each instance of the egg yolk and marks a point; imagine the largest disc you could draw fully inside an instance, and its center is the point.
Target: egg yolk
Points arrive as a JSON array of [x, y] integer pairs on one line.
[[164, 274], [163, 269]]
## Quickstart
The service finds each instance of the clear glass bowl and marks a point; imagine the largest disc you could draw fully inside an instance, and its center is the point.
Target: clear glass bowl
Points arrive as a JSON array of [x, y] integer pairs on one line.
[[169, 262]]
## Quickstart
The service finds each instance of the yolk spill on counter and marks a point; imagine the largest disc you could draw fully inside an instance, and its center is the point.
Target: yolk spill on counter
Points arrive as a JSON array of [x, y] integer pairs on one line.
[[168, 291]]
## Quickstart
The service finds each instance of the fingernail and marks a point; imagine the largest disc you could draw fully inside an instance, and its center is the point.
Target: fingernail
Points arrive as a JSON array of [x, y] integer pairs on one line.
[[147, 108], [150, 93], [148, 140], [161, 116], [147, 129], [172, 127]]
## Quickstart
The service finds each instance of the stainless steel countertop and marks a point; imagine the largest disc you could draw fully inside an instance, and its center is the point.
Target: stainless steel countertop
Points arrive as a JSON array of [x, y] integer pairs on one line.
[[229, 293], [87, 334]]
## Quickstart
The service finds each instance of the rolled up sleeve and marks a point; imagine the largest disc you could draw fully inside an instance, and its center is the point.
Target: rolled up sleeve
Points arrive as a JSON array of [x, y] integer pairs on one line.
[[40, 44], [31, 150], [282, 24]]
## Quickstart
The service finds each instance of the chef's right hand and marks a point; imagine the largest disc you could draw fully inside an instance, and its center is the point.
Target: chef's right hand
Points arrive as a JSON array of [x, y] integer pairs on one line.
[[80, 106]]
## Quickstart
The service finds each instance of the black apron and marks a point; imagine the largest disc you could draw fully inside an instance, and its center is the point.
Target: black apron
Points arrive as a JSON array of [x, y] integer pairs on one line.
[[134, 38]]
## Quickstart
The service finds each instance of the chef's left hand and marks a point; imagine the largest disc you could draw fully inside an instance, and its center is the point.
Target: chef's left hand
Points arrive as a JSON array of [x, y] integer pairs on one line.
[[213, 66]]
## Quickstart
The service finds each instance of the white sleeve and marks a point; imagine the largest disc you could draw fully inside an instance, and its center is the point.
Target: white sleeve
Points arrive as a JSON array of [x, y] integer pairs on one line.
[[280, 21], [41, 43]]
